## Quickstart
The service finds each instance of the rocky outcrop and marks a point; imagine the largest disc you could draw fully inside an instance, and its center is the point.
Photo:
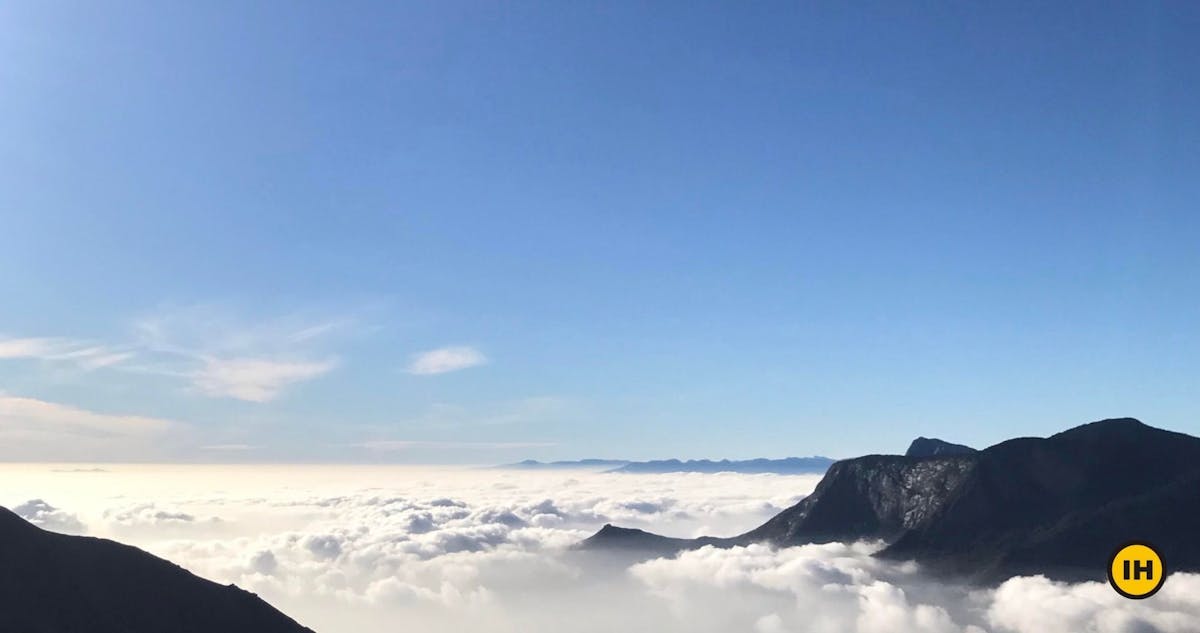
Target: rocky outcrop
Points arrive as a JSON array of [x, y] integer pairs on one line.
[[933, 447]]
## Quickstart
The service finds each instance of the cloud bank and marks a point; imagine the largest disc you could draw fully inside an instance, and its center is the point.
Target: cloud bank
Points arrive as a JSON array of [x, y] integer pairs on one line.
[[387, 548]]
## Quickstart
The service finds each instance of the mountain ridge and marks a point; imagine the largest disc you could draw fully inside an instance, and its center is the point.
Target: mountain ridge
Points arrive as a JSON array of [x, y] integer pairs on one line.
[[782, 466], [591, 464], [56, 583], [786, 465], [1055, 505]]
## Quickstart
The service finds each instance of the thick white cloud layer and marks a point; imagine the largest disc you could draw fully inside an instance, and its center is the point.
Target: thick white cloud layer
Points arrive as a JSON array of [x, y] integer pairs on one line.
[[393, 548]]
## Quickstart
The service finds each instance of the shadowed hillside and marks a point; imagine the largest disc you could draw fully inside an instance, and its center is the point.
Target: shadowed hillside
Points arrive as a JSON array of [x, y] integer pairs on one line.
[[54, 583]]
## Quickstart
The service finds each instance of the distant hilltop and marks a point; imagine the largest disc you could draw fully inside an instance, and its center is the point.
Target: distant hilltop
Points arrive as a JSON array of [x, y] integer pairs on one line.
[[785, 466]]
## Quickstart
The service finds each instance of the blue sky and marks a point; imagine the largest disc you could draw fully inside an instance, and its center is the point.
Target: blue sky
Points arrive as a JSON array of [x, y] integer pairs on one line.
[[231, 232]]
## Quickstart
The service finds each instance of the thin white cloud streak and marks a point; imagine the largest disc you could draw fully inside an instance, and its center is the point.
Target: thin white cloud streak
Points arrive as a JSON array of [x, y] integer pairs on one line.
[[446, 359], [231, 359], [38, 429], [217, 355], [17, 412], [82, 354], [29, 347], [255, 379]]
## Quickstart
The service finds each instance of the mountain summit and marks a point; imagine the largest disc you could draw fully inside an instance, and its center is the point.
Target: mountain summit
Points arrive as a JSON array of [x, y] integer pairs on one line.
[[927, 447], [52, 583], [1056, 506]]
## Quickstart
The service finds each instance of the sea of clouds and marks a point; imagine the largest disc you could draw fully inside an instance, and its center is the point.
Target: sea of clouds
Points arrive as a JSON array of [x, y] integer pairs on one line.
[[371, 549]]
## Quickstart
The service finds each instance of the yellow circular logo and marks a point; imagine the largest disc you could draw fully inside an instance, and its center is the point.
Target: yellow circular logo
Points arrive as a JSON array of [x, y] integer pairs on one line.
[[1136, 570]]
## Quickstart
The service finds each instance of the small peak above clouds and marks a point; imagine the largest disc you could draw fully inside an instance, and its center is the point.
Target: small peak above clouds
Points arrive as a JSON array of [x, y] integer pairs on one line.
[[48, 517], [932, 447]]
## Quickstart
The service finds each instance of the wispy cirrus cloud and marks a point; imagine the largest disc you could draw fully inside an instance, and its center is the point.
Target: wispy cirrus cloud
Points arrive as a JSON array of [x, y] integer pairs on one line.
[[82, 354], [225, 357], [28, 347], [446, 359], [41, 415], [255, 379], [215, 353]]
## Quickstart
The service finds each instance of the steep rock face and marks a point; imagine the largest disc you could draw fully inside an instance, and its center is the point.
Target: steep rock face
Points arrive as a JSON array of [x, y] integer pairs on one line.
[[932, 447], [872, 497], [54, 583]]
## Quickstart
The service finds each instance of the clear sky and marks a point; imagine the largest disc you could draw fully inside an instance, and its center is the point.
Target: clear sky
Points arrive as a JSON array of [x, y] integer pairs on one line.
[[482, 232]]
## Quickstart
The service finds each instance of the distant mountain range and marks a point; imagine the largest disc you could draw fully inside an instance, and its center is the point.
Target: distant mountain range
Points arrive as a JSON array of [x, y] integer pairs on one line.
[[785, 466], [589, 464], [54, 583], [1057, 506]]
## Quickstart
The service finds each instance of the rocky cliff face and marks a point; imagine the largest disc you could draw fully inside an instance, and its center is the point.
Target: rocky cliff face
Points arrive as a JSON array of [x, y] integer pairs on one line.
[[872, 497], [53, 583]]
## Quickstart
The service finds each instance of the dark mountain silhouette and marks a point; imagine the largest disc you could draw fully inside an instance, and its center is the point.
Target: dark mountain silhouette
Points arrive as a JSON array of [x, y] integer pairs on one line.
[[932, 447], [1064, 503], [1057, 506], [54, 583], [785, 466], [613, 537]]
